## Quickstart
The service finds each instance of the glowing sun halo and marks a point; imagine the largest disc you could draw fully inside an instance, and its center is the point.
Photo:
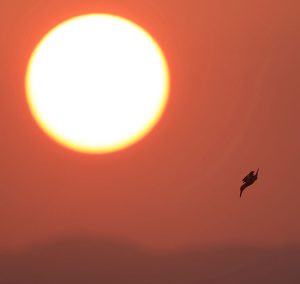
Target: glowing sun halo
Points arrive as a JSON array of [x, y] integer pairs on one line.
[[97, 83]]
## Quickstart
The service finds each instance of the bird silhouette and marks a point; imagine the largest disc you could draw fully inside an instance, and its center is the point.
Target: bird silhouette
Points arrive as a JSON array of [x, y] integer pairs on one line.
[[248, 180]]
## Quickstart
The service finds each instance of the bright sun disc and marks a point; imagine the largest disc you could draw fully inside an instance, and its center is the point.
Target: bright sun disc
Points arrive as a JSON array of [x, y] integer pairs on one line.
[[97, 83]]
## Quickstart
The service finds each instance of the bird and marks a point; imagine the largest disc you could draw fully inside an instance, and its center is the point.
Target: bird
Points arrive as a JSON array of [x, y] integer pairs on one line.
[[248, 180]]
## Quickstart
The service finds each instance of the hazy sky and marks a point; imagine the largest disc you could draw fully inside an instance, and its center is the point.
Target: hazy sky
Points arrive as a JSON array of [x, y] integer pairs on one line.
[[234, 106]]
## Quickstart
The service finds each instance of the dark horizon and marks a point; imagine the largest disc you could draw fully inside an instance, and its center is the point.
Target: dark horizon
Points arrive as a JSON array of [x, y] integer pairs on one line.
[[78, 260]]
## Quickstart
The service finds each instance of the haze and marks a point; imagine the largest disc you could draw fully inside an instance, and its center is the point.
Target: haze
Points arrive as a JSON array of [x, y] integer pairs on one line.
[[234, 107]]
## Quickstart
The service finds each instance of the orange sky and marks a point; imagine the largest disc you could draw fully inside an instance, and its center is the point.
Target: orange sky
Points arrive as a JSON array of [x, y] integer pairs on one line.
[[234, 106]]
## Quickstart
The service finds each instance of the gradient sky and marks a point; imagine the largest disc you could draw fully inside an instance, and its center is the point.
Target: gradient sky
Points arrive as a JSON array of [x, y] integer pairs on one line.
[[234, 106]]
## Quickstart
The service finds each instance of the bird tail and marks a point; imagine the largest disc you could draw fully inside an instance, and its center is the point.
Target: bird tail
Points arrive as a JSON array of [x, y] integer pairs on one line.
[[243, 187]]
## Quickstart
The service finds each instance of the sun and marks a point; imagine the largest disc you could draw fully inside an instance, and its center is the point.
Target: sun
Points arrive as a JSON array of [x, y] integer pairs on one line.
[[97, 83]]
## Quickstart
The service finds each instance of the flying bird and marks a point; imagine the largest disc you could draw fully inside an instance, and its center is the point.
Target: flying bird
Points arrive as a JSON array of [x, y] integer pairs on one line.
[[248, 180]]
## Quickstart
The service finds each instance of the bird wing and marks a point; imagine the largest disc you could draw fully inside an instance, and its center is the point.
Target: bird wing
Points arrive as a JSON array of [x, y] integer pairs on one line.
[[248, 176]]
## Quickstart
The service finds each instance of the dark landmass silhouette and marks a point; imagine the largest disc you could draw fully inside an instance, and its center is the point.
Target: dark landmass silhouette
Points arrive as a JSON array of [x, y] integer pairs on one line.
[[83, 260]]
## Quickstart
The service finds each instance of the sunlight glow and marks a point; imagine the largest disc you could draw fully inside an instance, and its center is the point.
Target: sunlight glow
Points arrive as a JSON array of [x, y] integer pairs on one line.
[[97, 83]]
